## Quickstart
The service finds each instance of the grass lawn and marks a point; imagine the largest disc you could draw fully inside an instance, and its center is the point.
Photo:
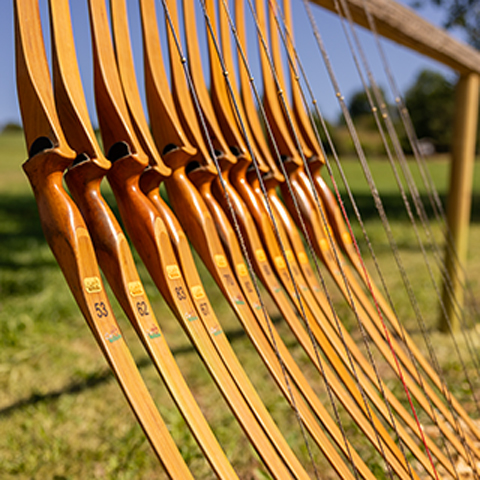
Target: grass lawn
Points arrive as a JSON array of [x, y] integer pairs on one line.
[[62, 415]]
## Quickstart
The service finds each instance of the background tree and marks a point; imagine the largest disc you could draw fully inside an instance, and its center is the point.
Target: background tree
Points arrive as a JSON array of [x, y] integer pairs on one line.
[[430, 101], [459, 13]]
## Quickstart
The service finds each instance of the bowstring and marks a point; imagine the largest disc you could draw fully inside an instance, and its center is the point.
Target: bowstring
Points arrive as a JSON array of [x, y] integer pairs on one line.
[[235, 219], [401, 158], [292, 64], [280, 93], [330, 142], [270, 135], [265, 194], [432, 192], [303, 96], [427, 179], [374, 190], [272, 218]]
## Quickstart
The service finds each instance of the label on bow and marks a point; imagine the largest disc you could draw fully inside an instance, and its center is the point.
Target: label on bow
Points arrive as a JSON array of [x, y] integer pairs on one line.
[[221, 261], [173, 272], [302, 257], [92, 284], [197, 292], [260, 254], [280, 262], [242, 270], [135, 289], [347, 238]]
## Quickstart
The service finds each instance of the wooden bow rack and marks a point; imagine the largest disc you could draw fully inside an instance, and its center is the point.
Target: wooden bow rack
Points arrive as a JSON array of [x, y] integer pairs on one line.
[[224, 155]]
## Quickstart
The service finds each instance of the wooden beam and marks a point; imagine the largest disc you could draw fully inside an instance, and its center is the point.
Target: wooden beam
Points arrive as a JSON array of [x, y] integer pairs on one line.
[[402, 25], [460, 193]]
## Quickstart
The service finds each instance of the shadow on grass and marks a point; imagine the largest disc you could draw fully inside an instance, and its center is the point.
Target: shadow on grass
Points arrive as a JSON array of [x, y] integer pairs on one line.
[[100, 377], [19, 226], [20, 231]]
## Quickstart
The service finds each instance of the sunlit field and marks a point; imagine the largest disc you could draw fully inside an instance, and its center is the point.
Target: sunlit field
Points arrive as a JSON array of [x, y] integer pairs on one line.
[[62, 415]]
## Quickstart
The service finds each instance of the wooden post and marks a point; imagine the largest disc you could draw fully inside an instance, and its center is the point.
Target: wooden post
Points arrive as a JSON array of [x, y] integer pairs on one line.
[[460, 193]]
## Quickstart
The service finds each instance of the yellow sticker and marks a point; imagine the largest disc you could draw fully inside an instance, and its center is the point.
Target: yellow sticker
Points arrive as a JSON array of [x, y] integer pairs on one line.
[[328, 231], [173, 272], [221, 261], [92, 284], [290, 256], [347, 238], [323, 244], [197, 292], [302, 256], [135, 289], [242, 270], [280, 262], [260, 254]]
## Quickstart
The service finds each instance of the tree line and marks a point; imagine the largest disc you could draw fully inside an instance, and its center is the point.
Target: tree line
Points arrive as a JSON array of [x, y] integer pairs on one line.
[[430, 101]]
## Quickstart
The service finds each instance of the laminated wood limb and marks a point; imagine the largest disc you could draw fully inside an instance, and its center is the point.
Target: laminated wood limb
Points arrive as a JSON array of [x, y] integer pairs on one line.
[[344, 236], [67, 233], [186, 291], [83, 179], [324, 241]]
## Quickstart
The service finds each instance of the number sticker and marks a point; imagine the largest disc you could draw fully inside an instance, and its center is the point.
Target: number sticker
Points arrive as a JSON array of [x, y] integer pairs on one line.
[[101, 309], [197, 292], [347, 238], [302, 256], [142, 308], [260, 254], [173, 272], [242, 270], [180, 292], [280, 262], [204, 308]]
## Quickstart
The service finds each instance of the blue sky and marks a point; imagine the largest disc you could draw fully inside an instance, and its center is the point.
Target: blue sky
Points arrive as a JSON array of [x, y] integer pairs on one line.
[[405, 64]]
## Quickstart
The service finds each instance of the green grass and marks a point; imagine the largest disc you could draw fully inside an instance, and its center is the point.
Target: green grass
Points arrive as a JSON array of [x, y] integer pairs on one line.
[[62, 415]]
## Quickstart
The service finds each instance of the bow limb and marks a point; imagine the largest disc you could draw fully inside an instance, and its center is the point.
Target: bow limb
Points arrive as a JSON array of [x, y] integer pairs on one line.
[[67, 234]]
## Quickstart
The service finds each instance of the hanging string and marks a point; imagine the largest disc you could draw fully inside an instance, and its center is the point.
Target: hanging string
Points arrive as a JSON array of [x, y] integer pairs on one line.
[[273, 221], [236, 224], [421, 245], [398, 151], [432, 191], [326, 131], [267, 124], [394, 139], [377, 305], [402, 160], [232, 90], [275, 146], [320, 117], [292, 64]]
